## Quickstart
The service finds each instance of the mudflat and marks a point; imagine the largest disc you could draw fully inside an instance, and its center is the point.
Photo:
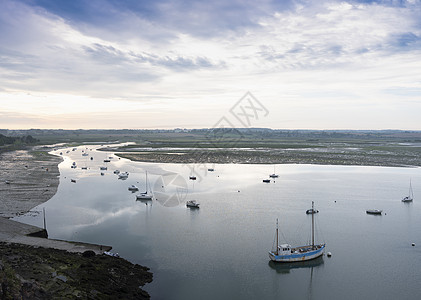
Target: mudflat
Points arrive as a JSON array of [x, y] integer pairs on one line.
[[27, 179]]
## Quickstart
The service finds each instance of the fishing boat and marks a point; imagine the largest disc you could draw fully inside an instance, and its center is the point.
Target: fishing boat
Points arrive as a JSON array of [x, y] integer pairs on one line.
[[410, 196], [286, 254], [374, 211], [145, 195], [192, 204]]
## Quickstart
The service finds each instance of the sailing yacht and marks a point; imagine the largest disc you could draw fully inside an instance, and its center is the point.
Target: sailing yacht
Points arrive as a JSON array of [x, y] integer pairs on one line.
[[145, 195], [274, 175], [286, 253], [410, 196]]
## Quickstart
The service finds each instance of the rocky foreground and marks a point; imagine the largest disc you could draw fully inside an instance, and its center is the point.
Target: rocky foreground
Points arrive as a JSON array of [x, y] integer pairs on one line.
[[43, 273]]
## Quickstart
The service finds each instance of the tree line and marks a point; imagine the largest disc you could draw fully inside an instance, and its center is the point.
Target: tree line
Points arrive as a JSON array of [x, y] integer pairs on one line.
[[10, 140]]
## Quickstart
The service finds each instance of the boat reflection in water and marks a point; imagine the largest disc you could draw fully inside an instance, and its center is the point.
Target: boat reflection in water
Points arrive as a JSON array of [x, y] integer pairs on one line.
[[285, 268]]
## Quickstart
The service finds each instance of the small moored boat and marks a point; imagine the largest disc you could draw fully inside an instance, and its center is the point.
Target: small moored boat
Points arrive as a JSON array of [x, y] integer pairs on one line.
[[274, 175], [192, 204], [311, 211], [133, 188], [374, 211], [123, 175], [146, 195], [410, 196]]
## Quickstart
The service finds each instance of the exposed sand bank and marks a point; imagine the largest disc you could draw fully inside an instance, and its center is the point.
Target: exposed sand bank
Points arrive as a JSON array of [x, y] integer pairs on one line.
[[27, 179]]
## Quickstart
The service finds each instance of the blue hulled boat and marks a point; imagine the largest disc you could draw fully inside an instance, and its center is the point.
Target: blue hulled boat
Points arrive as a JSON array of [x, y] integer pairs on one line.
[[286, 253]]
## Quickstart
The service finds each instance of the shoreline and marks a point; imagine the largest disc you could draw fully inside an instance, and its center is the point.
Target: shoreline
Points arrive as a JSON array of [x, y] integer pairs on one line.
[[244, 157], [29, 178]]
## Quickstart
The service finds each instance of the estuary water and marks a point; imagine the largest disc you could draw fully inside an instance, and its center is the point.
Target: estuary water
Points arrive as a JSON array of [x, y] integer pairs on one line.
[[220, 251]]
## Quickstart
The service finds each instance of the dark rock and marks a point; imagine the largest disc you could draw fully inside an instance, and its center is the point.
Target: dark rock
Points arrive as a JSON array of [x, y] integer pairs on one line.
[[88, 253]]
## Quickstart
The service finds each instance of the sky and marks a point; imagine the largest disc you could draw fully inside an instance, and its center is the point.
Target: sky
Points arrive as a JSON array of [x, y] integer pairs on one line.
[[199, 64]]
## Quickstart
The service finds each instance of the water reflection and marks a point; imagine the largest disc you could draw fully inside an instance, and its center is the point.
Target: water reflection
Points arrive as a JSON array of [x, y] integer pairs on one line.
[[285, 268]]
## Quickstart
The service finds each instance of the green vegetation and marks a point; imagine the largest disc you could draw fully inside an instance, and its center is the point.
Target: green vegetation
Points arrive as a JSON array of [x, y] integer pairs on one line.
[[8, 143]]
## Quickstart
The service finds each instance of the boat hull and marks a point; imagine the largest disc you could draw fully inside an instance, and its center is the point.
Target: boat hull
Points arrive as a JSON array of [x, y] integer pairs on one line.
[[144, 197], [299, 256], [374, 212]]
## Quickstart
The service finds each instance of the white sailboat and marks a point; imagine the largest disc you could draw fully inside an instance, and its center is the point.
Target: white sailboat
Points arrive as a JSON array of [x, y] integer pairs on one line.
[[410, 196], [286, 253], [274, 175], [145, 195]]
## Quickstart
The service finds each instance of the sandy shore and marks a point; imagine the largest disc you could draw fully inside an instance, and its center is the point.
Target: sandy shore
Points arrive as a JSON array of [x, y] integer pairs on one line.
[[27, 179]]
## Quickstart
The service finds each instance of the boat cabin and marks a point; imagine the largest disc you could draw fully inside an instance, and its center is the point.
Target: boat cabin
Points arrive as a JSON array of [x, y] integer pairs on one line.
[[284, 249]]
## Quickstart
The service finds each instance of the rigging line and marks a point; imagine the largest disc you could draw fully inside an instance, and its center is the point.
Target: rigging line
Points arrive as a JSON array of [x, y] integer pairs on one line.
[[273, 243], [319, 231]]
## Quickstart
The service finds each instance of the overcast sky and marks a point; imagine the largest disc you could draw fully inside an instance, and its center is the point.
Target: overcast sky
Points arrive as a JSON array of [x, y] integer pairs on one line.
[[168, 63]]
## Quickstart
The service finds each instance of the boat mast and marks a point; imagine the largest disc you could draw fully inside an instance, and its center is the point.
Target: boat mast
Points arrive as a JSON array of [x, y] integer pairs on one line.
[[45, 224], [312, 224], [146, 182], [411, 193], [276, 237]]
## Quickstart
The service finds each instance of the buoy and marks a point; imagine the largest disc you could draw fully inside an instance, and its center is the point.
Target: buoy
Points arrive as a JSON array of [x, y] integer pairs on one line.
[[329, 254], [413, 244]]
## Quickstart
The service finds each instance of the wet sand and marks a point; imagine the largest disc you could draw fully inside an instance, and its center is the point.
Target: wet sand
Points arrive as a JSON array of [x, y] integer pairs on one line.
[[27, 179]]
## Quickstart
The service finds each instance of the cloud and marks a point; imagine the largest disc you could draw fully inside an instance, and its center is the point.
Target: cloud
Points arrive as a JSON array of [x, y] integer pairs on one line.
[[110, 55], [203, 53]]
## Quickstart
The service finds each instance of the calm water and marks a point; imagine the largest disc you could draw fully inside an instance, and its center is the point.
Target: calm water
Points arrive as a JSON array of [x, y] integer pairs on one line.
[[220, 251]]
